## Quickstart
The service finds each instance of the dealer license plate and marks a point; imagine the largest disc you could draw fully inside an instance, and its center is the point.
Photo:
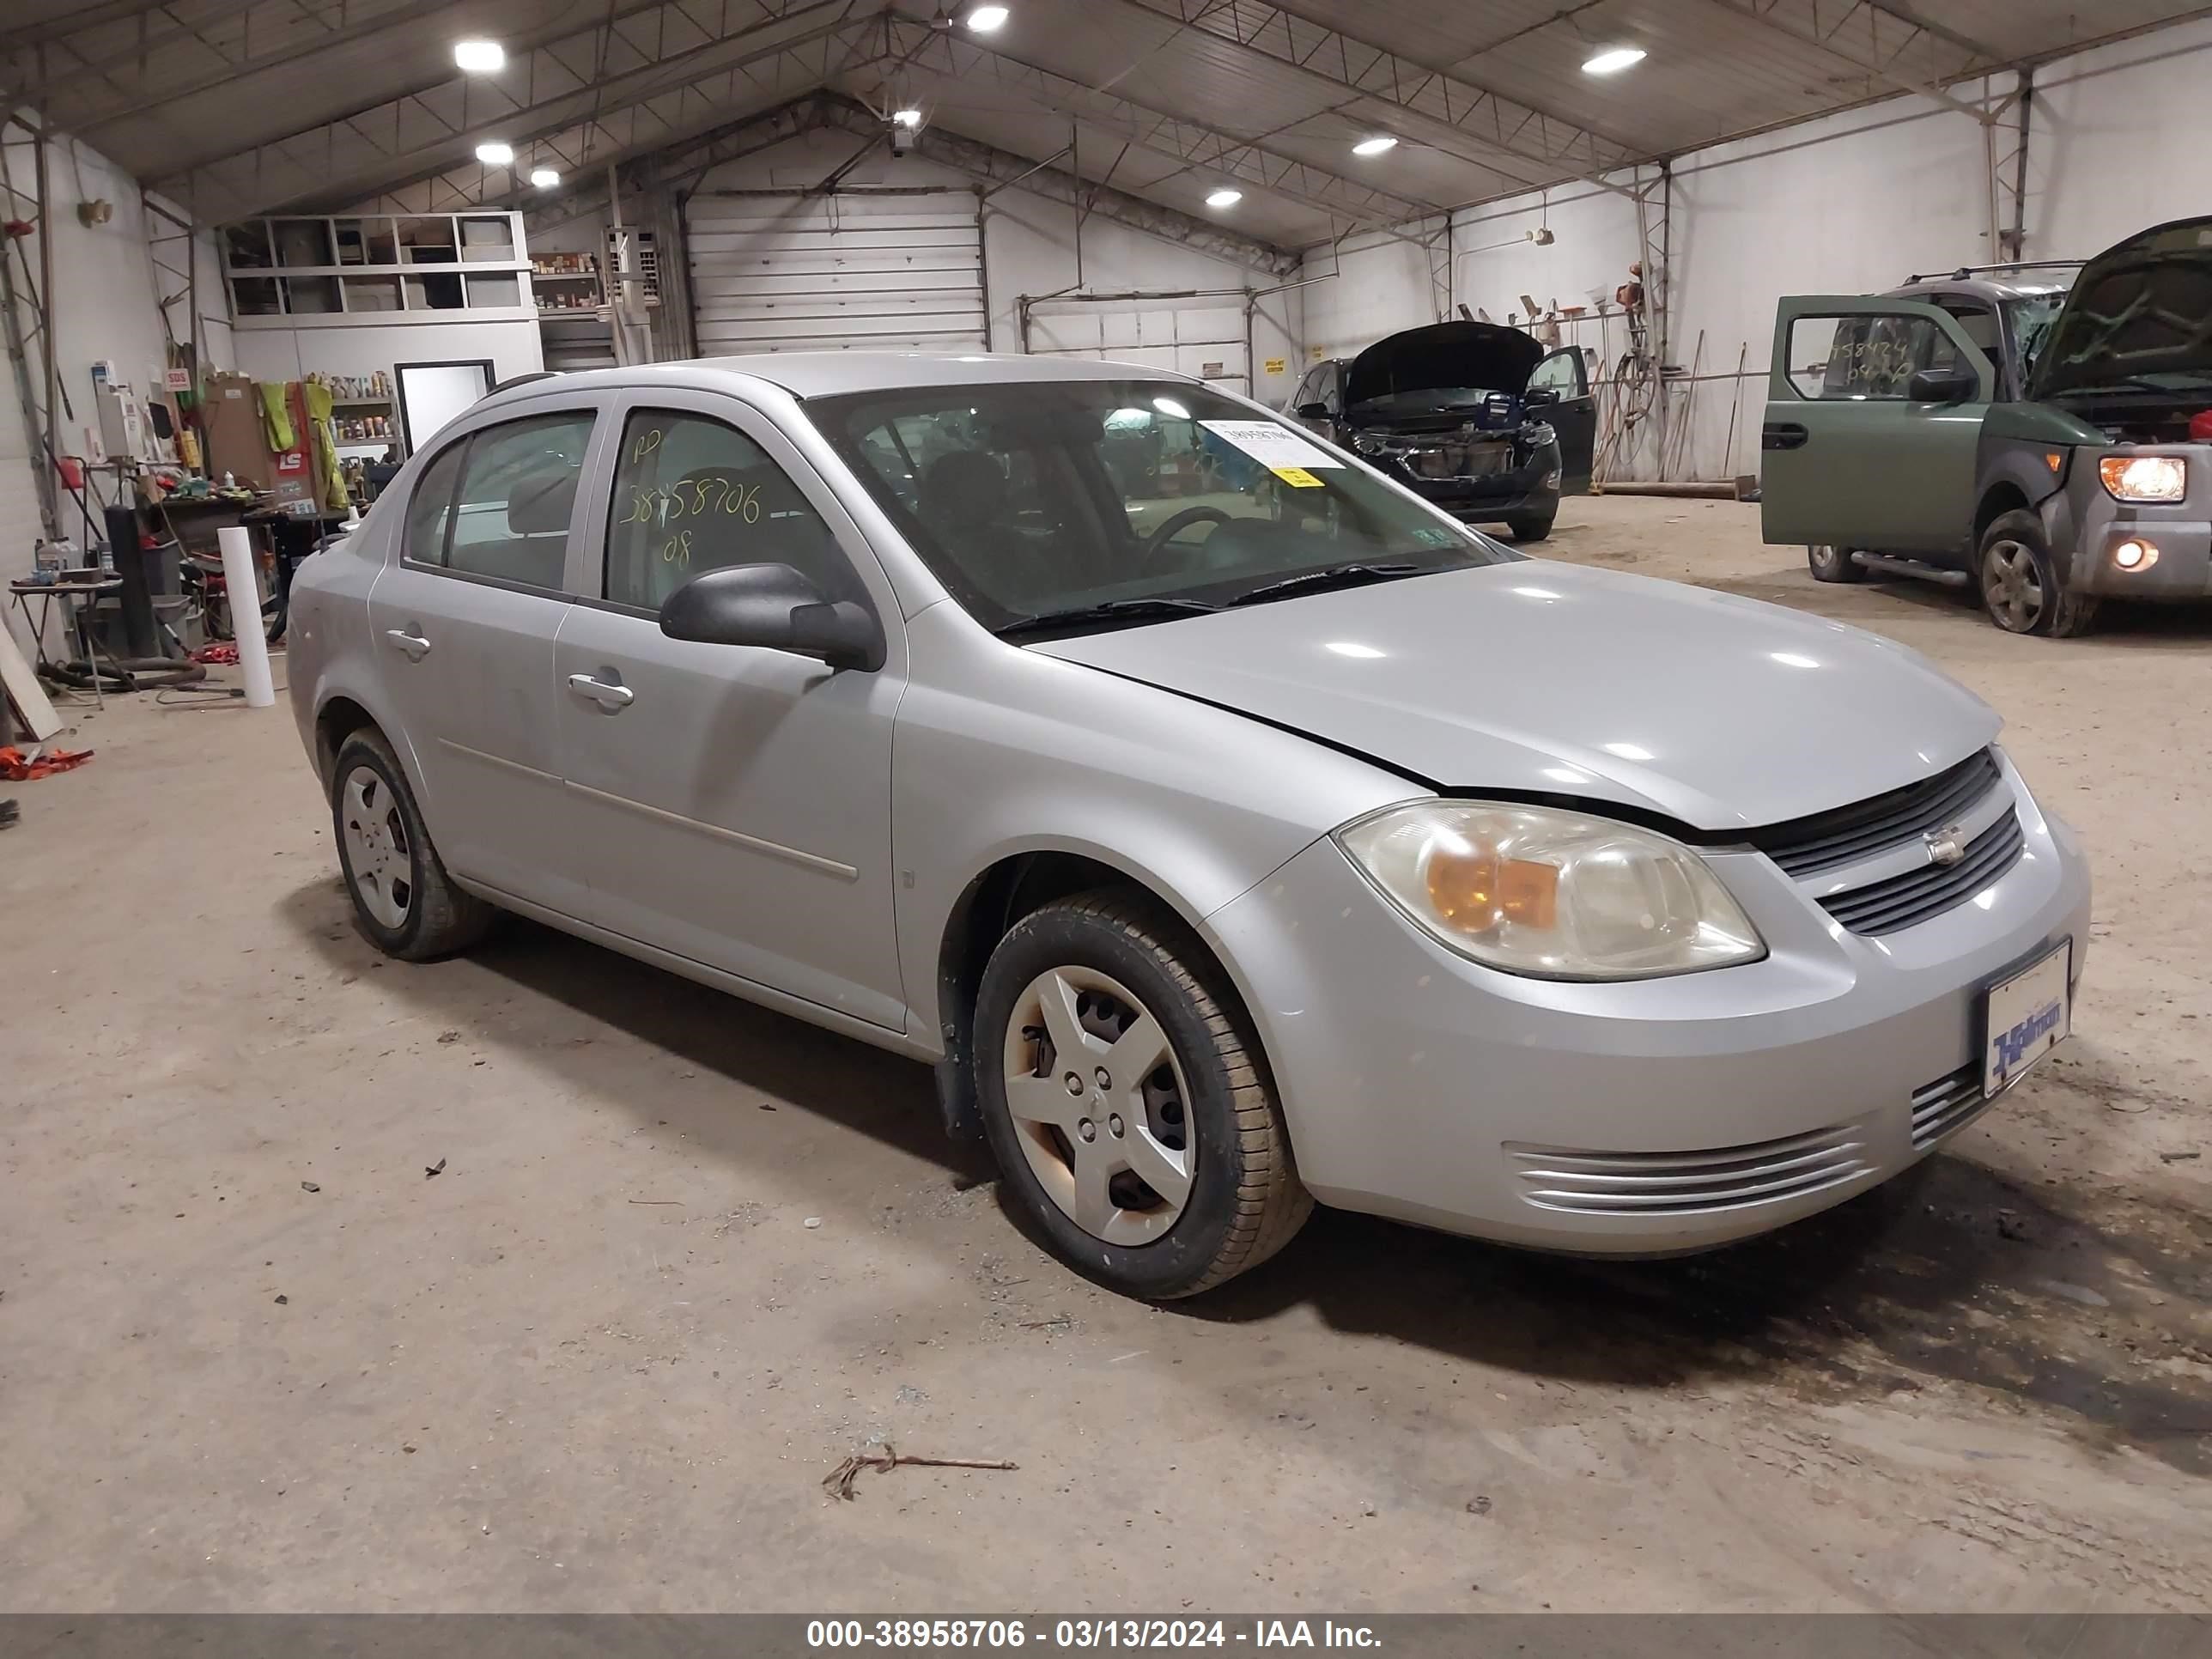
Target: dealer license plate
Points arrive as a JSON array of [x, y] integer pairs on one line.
[[2025, 1017]]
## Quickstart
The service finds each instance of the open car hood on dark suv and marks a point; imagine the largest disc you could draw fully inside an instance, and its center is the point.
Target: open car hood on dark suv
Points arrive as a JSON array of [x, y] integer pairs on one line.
[[2141, 306], [1480, 355]]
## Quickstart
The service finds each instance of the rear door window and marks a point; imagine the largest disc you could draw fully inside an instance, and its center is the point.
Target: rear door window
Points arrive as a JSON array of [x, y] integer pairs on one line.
[[518, 492], [430, 507]]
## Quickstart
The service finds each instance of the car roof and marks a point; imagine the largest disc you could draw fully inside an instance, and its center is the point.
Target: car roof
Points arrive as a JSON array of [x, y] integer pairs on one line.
[[828, 373], [1991, 287]]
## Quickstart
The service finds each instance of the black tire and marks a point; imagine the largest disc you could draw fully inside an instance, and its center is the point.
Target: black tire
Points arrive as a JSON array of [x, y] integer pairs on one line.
[[1531, 529], [436, 918], [1245, 1201], [1830, 563], [2018, 581]]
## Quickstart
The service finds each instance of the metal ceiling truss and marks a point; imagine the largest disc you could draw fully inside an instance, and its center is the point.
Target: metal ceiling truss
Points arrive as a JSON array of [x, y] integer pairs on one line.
[[622, 133], [64, 71], [680, 166], [281, 37], [989, 165], [1874, 39], [1192, 142], [613, 64], [1528, 148]]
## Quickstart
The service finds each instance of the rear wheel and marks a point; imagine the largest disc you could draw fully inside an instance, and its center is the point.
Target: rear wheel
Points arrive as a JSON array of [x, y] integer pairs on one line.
[[1128, 1106], [403, 899], [2018, 582], [1532, 528], [1833, 564]]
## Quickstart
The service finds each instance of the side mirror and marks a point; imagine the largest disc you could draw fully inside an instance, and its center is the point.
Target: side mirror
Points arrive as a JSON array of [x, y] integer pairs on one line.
[[1540, 396], [1942, 385], [774, 607], [1313, 411]]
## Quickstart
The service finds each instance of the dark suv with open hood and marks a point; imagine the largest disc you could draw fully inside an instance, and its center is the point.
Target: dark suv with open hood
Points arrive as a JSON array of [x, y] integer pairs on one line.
[[2049, 447], [1477, 418]]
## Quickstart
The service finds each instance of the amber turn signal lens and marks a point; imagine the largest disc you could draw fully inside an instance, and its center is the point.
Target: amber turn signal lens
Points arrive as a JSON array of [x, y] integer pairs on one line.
[[1475, 890]]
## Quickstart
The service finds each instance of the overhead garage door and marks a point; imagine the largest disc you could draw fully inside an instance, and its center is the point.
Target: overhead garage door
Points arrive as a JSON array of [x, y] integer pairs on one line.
[[772, 273], [1195, 334]]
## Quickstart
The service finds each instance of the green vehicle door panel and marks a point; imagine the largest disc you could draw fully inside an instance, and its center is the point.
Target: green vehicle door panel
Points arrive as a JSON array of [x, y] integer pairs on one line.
[[1848, 459]]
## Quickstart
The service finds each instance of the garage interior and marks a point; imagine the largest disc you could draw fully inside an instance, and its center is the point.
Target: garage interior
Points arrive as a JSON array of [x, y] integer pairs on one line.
[[540, 1279]]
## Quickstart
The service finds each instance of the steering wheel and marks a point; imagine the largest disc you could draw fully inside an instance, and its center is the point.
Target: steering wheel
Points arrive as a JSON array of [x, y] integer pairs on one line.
[[1176, 525]]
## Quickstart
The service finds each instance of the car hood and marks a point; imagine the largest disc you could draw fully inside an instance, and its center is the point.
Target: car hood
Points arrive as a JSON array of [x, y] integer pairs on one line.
[[1483, 356], [1537, 677], [2139, 307]]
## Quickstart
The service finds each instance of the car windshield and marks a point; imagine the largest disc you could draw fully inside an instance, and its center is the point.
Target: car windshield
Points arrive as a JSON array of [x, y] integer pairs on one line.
[[1105, 503], [2032, 318]]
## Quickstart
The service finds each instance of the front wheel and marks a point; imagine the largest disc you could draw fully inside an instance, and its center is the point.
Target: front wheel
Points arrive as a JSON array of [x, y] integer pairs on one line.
[[1127, 1103], [2018, 582], [1531, 528], [1829, 564]]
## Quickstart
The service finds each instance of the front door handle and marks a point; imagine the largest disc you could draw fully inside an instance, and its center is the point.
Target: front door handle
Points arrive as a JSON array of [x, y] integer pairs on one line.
[[609, 697], [412, 643], [1783, 435]]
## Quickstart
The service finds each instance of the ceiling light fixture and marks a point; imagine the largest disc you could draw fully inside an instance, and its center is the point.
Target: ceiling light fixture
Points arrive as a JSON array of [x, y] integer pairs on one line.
[[906, 118], [984, 19], [1224, 197], [1612, 60], [480, 56], [1376, 145], [494, 153], [544, 178]]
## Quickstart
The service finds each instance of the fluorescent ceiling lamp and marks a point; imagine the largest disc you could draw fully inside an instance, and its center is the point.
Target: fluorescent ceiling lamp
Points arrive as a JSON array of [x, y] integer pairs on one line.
[[1612, 60], [544, 178], [1376, 145], [494, 153], [984, 19], [906, 118], [1222, 198], [480, 56]]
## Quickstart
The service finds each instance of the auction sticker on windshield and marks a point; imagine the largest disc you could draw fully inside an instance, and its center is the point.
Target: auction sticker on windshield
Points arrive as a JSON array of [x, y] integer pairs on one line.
[[1281, 451], [2027, 1019]]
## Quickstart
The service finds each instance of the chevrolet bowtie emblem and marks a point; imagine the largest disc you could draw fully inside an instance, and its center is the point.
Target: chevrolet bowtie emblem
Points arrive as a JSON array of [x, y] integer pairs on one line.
[[1947, 846]]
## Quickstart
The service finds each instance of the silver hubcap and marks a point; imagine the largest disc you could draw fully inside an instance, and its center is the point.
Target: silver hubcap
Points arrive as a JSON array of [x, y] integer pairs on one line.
[[1099, 1105], [2010, 587], [377, 854]]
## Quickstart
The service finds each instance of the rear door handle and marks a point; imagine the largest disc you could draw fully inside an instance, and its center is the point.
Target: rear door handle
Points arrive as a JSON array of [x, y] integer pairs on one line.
[[609, 697], [413, 644], [1783, 435]]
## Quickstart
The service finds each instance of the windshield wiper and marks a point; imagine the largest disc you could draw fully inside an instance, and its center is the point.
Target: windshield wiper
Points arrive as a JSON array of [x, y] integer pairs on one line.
[[1108, 611], [1320, 581]]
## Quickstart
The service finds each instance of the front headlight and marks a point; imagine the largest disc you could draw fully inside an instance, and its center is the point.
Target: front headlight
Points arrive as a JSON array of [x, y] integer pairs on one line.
[[2144, 478], [1550, 894]]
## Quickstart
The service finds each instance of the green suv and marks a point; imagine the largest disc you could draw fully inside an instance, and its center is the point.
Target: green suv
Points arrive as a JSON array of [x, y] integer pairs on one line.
[[2047, 446]]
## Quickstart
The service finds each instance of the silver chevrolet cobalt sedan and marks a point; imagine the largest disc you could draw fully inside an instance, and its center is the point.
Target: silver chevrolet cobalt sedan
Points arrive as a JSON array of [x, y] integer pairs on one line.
[[1229, 828]]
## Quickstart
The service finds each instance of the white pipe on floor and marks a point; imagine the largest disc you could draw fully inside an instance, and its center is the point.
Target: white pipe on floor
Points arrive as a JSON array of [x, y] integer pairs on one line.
[[245, 594]]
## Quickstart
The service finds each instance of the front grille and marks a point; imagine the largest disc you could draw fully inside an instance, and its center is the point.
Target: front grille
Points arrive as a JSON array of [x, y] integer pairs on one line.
[[1804, 846], [1951, 1102], [1906, 900], [1688, 1183]]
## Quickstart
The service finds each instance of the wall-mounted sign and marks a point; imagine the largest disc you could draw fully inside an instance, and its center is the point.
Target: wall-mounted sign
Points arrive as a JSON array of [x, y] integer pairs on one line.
[[1278, 365]]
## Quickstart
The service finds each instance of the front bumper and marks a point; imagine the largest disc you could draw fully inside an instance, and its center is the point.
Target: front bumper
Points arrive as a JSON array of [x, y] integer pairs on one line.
[[1420, 1085], [2181, 531]]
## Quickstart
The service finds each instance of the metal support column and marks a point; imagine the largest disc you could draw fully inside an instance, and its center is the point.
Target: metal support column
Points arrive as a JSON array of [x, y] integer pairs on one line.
[[1437, 244], [25, 304], [2004, 139]]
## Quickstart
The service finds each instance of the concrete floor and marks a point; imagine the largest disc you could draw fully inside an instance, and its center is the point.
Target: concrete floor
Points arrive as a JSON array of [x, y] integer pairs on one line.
[[602, 1360]]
